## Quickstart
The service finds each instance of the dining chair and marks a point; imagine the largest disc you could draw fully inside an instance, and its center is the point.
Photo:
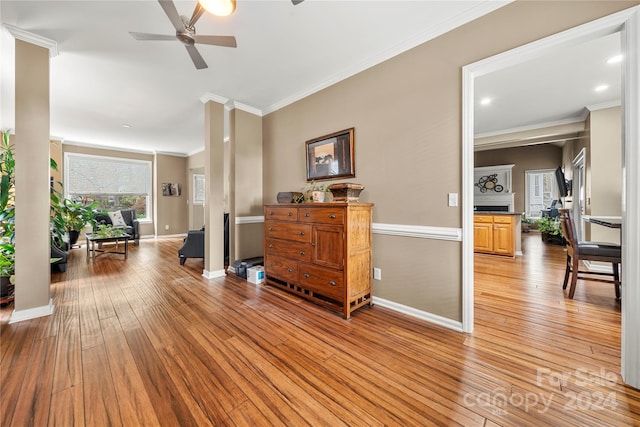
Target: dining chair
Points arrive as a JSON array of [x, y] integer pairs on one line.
[[587, 251]]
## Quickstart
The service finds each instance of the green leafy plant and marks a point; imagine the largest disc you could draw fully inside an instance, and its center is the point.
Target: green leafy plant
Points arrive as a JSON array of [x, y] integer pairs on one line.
[[308, 189], [549, 226], [76, 214], [108, 230], [7, 209]]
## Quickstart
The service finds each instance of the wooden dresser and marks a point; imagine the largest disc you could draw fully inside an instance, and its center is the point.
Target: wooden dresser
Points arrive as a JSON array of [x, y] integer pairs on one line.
[[320, 251]]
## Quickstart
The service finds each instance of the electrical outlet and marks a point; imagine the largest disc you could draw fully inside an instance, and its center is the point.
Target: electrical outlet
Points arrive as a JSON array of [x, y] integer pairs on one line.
[[377, 273], [166, 227]]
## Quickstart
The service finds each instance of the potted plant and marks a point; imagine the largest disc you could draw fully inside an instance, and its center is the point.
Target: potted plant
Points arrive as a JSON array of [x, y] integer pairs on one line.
[[313, 192], [76, 215], [527, 224], [550, 230], [7, 218]]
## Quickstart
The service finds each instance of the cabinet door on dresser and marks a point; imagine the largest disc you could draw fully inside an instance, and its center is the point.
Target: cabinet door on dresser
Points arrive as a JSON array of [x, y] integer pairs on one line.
[[327, 246]]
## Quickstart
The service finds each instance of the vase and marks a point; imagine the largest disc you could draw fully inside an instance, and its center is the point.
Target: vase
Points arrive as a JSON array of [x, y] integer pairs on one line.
[[318, 196]]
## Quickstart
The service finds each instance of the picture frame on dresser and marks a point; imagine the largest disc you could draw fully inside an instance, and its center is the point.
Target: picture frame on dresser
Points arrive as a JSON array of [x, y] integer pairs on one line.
[[331, 156]]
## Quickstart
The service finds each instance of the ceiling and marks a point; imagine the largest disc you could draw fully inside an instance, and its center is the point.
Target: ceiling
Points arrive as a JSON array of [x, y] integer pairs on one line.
[[103, 79]]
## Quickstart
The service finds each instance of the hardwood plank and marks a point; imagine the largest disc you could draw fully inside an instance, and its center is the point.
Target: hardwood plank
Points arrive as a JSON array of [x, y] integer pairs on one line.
[[67, 408], [100, 400], [32, 406], [133, 402]]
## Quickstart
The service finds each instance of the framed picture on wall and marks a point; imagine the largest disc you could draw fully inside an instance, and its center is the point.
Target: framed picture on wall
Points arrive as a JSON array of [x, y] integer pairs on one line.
[[331, 156], [171, 189]]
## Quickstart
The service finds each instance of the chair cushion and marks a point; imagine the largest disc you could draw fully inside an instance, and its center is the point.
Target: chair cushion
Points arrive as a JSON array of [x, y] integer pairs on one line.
[[600, 249], [116, 219]]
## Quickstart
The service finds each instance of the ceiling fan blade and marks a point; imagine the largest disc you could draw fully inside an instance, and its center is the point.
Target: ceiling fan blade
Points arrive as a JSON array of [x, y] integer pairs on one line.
[[197, 13], [172, 13], [197, 59], [227, 41], [147, 36], [295, 2]]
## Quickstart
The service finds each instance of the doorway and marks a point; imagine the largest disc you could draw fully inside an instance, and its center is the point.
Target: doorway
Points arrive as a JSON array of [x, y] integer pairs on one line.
[[628, 24]]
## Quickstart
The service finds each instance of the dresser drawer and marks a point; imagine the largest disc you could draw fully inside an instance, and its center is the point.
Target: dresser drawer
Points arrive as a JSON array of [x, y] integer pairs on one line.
[[287, 231], [321, 280], [503, 219], [483, 218], [281, 268], [322, 215], [281, 214], [292, 250]]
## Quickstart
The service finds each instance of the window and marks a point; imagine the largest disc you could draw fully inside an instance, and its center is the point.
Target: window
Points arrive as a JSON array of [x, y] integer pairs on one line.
[[114, 182], [198, 189], [540, 191]]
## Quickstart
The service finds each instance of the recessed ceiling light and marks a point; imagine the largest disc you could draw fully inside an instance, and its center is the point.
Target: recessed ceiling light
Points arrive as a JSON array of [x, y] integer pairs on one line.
[[126, 125], [601, 88], [614, 59], [485, 101]]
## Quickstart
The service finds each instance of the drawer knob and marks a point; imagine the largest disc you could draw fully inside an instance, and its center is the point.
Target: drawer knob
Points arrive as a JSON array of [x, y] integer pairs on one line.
[[306, 275], [290, 270], [290, 214], [271, 245], [302, 233], [307, 214], [270, 212], [271, 264], [332, 216], [332, 283], [270, 228], [301, 252]]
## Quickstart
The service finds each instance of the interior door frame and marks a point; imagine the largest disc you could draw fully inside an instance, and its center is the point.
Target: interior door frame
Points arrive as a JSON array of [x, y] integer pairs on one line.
[[579, 191], [627, 22]]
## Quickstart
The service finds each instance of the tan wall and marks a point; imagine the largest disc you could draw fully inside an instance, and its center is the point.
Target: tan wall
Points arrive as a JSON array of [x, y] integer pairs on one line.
[[146, 228], [545, 156], [606, 170], [171, 212], [407, 118]]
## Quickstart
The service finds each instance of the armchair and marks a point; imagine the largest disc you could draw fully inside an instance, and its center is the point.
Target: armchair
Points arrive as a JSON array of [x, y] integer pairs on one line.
[[132, 227], [193, 246]]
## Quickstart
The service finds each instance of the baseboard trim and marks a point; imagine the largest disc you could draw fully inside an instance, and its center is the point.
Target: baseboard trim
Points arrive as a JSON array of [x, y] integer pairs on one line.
[[419, 231], [213, 274], [598, 268], [249, 220], [414, 312], [231, 269], [32, 313], [169, 236]]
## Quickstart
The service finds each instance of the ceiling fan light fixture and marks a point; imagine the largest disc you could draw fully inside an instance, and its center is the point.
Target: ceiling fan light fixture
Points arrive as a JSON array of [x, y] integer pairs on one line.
[[219, 7]]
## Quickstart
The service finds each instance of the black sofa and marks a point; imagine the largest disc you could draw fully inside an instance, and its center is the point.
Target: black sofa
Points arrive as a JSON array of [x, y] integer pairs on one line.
[[129, 216]]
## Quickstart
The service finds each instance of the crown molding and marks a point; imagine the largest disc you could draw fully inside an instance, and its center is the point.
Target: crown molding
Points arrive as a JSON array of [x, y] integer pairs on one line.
[[26, 36], [169, 153], [420, 38], [604, 105], [577, 119], [246, 108], [108, 148], [208, 96]]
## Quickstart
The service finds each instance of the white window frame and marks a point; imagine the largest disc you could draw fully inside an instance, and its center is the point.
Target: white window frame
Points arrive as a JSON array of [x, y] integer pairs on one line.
[[149, 210], [527, 195], [198, 188]]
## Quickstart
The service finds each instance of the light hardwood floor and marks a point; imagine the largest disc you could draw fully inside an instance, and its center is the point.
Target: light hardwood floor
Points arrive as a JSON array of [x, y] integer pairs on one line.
[[147, 342]]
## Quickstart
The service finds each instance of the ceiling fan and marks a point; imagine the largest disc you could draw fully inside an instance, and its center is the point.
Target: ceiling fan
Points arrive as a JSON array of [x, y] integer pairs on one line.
[[186, 32]]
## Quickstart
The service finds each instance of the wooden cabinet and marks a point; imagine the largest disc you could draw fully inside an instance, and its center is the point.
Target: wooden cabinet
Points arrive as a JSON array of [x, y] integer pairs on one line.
[[320, 251], [494, 234]]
